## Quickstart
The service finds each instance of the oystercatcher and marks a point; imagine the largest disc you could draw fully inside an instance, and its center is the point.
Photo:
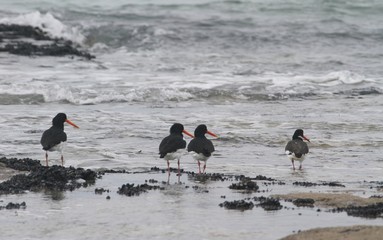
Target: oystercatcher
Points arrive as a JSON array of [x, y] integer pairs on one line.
[[53, 139], [296, 149], [201, 146], [173, 146]]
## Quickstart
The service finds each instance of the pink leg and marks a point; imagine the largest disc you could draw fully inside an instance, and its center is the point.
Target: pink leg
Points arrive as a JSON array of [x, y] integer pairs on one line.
[[168, 167], [46, 158], [204, 168], [179, 171], [292, 161], [62, 160], [168, 178], [300, 166], [199, 167]]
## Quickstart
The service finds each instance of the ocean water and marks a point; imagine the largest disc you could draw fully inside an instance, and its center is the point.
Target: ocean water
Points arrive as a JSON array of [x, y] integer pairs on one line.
[[252, 71]]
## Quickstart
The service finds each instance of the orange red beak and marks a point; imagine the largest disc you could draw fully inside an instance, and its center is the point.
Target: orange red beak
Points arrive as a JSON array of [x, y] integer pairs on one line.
[[305, 138], [71, 123], [187, 133], [212, 134]]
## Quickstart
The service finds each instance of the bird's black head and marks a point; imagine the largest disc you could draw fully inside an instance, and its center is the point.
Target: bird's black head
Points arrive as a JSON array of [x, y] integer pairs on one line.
[[200, 131], [298, 134], [59, 119], [177, 128]]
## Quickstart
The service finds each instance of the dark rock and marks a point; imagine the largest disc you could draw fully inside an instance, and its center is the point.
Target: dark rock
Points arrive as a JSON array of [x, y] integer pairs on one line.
[[24, 40], [100, 190], [376, 182], [305, 184], [14, 31], [14, 206], [263, 178], [304, 202], [206, 177], [201, 177], [16, 185], [370, 211], [112, 171], [88, 175], [25, 164], [246, 184], [56, 178], [310, 184], [239, 205], [239, 177], [334, 184], [270, 183], [153, 181], [268, 204], [131, 190]]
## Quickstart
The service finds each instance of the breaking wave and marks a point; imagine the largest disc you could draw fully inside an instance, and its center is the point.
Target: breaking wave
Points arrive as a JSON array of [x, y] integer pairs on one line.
[[48, 23], [270, 86]]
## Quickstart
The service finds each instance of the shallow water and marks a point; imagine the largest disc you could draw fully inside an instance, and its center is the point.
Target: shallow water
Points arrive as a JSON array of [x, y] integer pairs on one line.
[[175, 211], [344, 136], [251, 142]]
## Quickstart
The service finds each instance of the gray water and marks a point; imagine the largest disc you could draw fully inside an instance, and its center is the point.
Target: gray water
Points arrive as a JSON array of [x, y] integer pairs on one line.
[[253, 71]]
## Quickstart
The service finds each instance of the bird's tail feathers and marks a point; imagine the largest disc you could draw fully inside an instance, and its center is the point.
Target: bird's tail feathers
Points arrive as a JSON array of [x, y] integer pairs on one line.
[[206, 153]]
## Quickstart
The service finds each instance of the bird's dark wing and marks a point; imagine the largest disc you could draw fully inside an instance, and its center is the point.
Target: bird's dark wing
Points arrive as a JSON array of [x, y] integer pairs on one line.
[[201, 145], [297, 146], [52, 137], [170, 144]]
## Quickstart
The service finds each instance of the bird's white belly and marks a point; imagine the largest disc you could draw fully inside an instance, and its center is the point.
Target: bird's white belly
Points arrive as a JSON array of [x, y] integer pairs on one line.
[[175, 155], [59, 147], [199, 156], [292, 157]]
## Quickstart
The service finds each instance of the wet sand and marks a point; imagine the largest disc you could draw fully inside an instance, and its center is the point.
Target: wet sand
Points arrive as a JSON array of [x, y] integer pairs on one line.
[[332, 200], [336, 233]]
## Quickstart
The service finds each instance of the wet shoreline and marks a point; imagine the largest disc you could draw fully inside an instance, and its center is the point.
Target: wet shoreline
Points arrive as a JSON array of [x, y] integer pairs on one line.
[[39, 178]]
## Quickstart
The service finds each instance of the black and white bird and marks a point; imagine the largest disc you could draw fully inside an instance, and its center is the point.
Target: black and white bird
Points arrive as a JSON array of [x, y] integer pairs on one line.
[[54, 138], [173, 146], [296, 149], [200, 146]]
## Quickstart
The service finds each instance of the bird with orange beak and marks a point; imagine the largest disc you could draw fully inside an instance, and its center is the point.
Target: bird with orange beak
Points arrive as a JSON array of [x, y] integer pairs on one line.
[[173, 146], [53, 139], [296, 149], [200, 146]]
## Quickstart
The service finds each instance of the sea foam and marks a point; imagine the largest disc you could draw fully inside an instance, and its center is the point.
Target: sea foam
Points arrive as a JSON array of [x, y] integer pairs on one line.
[[48, 23]]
